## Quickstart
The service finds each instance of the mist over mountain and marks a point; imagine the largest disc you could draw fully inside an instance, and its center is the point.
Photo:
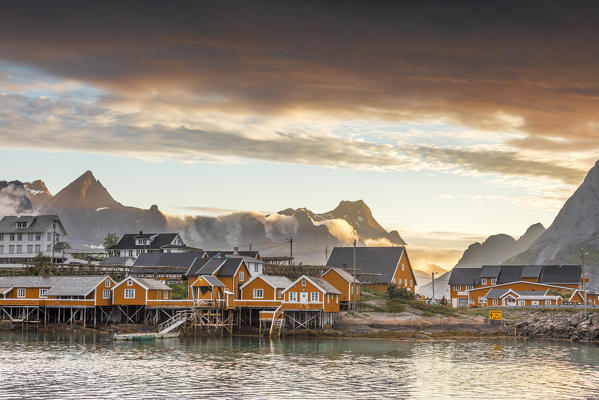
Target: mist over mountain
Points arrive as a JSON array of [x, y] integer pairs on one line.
[[13, 198], [89, 212], [576, 226]]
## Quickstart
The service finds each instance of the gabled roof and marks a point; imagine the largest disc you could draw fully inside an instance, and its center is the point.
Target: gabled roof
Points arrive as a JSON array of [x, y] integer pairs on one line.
[[196, 266], [490, 271], [380, 262], [496, 293], [114, 260], [320, 283], [275, 281], [27, 281], [158, 240], [464, 276], [510, 273], [344, 274], [166, 262], [35, 223], [230, 266], [75, 285], [570, 274], [531, 271], [212, 280], [211, 266], [146, 283]]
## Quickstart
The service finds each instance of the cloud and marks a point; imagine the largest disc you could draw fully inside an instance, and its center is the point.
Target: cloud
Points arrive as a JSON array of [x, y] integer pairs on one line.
[[339, 228]]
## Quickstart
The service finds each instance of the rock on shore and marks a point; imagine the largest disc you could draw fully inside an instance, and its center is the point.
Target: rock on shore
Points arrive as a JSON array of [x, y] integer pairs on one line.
[[560, 325]]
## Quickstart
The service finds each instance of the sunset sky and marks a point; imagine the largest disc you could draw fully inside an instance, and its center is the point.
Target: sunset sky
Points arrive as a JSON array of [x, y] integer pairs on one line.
[[451, 120]]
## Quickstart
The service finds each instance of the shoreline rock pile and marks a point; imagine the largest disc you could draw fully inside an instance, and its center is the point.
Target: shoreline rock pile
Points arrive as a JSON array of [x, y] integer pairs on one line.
[[560, 325]]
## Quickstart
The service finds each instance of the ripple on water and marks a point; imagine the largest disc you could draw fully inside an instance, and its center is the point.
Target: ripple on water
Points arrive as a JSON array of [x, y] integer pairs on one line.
[[55, 366]]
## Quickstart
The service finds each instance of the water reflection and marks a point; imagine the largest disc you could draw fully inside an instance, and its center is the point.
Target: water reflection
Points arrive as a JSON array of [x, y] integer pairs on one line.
[[48, 365]]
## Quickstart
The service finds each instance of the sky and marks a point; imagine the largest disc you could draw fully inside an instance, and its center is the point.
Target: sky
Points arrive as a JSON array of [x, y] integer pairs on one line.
[[451, 120]]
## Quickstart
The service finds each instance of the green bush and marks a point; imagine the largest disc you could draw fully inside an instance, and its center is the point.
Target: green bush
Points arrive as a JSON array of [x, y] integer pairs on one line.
[[179, 291], [394, 292], [394, 306]]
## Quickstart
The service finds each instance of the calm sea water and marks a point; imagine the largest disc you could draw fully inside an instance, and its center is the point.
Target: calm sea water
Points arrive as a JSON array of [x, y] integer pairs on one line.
[[67, 366]]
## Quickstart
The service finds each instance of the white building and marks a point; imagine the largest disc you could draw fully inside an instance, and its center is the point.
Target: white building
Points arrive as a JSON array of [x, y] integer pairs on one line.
[[22, 238], [134, 244]]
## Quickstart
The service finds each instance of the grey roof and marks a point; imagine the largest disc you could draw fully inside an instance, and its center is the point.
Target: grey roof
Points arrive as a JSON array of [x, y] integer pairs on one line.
[[184, 260], [213, 280], [346, 275], [325, 285], [371, 260], [490, 271], [211, 266], [510, 273], [464, 276], [35, 223], [127, 241], [531, 271], [278, 282], [74, 285], [496, 293], [196, 266], [153, 284], [27, 281], [230, 266], [114, 260], [530, 292], [561, 274], [221, 253]]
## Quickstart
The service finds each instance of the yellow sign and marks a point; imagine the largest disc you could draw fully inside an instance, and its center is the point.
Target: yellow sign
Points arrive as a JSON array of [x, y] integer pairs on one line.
[[496, 315]]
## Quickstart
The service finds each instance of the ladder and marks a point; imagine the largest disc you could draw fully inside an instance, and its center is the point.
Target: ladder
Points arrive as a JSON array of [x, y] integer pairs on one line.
[[277, 321], [174, 322]]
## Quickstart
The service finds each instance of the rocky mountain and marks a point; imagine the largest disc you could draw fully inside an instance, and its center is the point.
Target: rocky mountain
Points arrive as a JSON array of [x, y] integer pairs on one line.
[[13, 198], [576, 226], [37, 193], [350, 218], [496, 249], [89, 212]]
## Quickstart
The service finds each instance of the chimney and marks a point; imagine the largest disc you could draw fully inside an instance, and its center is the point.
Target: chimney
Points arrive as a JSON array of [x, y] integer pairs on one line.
[[235, 250], [344, 265]]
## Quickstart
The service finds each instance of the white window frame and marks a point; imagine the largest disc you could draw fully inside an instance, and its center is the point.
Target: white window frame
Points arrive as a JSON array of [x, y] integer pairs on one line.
[[21, 292], [304, 282], [313, 298], [129, 282], [293, 297], [258, 293], [469, 287], [129, 293], [106, 294], [241, 276], [43, 293], [403, 267], [107, 283], [495, 302], [482, 300], [165, 295]]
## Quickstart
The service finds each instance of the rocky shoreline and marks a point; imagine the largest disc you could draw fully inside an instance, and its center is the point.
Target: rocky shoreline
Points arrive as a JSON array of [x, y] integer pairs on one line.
[[574, 326]]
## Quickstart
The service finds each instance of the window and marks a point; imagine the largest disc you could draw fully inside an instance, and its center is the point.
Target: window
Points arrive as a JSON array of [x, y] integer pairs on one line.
[[258, 293], [336, 298], [482, 300], [12, 237], [411, 283], [49, 236], [165, 294], [129, 282], [1, 249], [403, 268], [11, 249], [29, 248], [468, 287], [43, 293], [38, 237], [303, 283], [292, 296], [106, 293], [38, 248], [279, 293], [256, 267], [495, 302], [19, 249], [129, 293], [107, 283], [314, 297], [20, 292], [30, 237], [241, 276], [399, 282], [1, 236], [48, 247], [130, 253], [493, 281]]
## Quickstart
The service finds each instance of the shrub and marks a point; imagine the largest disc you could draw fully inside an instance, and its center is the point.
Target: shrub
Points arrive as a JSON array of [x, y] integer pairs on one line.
[[394, 292]]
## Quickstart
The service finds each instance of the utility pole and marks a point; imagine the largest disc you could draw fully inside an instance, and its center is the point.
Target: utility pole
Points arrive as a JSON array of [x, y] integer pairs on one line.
[[433, 278], [584, 281], [353, 293], [290, 250]]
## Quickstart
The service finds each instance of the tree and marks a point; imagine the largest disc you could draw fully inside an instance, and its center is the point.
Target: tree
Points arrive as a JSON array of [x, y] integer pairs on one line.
[[110, 240]]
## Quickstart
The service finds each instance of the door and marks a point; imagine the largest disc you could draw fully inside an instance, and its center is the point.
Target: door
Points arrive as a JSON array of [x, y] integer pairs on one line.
[[303, 297]]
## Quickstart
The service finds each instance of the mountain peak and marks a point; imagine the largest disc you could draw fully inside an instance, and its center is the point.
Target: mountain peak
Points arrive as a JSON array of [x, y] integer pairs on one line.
[[84, 192], [38, 193]]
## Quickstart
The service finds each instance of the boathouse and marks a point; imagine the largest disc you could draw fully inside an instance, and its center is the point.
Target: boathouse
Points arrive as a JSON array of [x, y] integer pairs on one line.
[[133, 291], [376, 267], [263, 291]]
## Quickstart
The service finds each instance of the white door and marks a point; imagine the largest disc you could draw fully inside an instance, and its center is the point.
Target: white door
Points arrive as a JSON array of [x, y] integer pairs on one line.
[[303, 297]]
